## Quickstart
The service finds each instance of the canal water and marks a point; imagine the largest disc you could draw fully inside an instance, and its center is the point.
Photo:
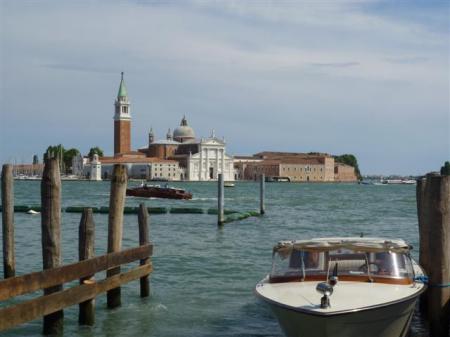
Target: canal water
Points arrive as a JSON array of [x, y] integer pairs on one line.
[[204, 277]]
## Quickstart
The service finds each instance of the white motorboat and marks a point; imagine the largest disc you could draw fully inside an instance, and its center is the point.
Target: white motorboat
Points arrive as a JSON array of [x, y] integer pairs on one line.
[[399, 182], [343, 287]]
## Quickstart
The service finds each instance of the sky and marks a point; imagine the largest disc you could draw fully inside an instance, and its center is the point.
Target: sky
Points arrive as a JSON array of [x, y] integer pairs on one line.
[[367, 77]]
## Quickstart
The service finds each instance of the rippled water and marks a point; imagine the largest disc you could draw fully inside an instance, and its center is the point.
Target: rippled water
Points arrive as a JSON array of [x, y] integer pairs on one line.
[[203, 278]]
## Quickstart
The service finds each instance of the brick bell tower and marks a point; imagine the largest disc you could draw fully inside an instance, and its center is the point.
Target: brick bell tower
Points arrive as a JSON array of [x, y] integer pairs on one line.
[[122, 121]]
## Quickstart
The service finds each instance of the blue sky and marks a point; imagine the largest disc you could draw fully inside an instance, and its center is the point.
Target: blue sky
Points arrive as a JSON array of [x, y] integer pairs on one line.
[[364, 77]]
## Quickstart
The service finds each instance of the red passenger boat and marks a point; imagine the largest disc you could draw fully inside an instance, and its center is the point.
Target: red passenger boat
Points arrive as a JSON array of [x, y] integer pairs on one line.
[[158, 192]]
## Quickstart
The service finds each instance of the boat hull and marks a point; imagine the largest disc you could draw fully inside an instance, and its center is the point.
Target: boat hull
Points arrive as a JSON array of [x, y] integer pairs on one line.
[[156, 192], [391, 320]]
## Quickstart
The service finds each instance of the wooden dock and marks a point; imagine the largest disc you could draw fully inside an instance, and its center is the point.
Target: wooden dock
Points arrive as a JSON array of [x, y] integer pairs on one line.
[[52, 279]]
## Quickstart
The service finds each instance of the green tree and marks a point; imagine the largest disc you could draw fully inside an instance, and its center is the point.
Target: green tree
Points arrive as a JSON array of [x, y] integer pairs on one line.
[[63, 156], [445, 170], [68, 156], [351, 160], [35, 159], [95, 150], [57, 152]]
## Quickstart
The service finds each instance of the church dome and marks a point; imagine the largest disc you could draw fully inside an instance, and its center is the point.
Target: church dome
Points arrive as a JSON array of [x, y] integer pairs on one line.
[[183, 132]]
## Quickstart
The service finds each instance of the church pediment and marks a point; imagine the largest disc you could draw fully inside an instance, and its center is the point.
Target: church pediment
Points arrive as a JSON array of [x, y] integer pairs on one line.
[[213, 141]]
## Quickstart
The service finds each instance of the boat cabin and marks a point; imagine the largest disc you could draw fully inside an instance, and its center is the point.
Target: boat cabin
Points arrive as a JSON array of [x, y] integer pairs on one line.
[[359, 259]]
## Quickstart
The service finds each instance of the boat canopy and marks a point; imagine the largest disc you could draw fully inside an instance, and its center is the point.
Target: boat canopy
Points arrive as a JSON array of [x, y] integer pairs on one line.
[[353, 259], [356, 244]]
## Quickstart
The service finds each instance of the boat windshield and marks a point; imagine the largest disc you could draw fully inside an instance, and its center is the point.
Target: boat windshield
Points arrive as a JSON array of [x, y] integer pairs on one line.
[[303, 265]]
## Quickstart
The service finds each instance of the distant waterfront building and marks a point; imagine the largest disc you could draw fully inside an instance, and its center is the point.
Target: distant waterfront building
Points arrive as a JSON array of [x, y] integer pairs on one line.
[[240, 164], [28, 170], [296, 167], [344, 173], [143, 168], [137, 167]]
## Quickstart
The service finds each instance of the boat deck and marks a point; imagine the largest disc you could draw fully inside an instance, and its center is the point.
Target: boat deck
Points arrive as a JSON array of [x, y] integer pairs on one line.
[[346, 296]]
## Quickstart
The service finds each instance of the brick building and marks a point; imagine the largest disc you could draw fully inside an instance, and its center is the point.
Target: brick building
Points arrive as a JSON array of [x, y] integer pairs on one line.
[[344, 173], [295, 167]]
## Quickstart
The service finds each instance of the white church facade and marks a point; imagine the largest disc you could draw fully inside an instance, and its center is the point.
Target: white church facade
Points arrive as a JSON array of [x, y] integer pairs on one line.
[[210, 161]]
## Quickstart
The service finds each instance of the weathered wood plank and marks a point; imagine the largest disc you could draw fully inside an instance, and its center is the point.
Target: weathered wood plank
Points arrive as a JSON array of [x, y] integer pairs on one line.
[[9, 260], [143, 240], [51, 235], [45, 305], [23, 284], [86, 233], [115, 225]]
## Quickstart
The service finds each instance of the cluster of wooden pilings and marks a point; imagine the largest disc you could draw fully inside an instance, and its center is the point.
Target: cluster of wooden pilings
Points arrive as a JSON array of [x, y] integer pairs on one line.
[[433, 209], [52, 278]]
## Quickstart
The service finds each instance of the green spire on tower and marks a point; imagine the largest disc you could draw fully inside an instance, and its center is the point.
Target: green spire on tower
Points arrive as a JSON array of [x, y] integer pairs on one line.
[[122, 88]]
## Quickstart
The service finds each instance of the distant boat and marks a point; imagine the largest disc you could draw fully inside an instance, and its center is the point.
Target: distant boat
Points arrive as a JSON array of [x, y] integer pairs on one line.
[[278, 179], [399, 182], [228, 184], [409, 182], [160, 179], [70, 177], [166, 192], [27, 177]]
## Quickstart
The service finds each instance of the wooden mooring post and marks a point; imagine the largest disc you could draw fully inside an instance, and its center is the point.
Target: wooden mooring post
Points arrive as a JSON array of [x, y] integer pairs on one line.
[[51, 236], [115, 225], [143, 240], [424, 248], [434, 228], [86, 239], [262, 190], [220, 200], [9, 260]]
